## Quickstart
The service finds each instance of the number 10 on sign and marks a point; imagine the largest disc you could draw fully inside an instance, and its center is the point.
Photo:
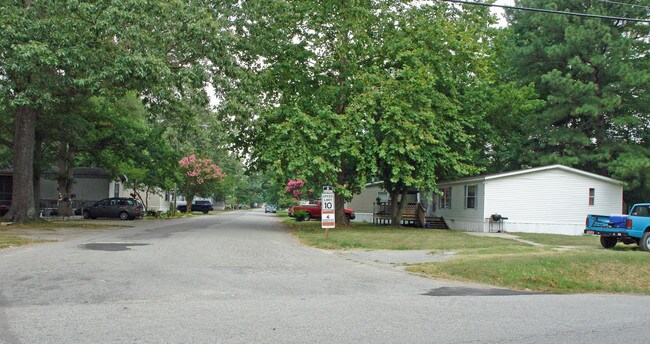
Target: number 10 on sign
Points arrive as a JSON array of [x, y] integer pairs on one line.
[[327, 209]]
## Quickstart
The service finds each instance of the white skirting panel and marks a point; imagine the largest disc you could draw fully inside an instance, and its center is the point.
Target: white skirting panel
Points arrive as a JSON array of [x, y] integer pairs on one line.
[[466, 225], [508, 226]]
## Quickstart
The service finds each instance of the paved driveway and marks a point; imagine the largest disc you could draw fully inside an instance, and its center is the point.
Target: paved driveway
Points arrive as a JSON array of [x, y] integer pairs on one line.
[[241, 278]]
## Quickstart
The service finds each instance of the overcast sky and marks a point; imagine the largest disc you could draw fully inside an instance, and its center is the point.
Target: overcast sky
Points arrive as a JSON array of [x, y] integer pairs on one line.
[[499, 11]]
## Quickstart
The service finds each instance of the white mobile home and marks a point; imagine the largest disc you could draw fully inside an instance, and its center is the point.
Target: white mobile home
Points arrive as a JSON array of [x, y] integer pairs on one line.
[[551, 199], [156, 199]]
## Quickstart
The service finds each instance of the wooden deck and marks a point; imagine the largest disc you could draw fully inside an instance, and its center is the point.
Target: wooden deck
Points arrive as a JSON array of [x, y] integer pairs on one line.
[[412, 215]]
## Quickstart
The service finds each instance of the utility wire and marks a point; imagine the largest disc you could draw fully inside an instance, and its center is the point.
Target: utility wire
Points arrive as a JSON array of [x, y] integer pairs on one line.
[[549, 11], [624, 3]]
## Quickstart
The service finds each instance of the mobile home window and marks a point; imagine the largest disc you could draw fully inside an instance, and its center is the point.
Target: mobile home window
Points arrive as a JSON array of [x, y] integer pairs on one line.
[[470, 196], [445, 198], [592, 196]]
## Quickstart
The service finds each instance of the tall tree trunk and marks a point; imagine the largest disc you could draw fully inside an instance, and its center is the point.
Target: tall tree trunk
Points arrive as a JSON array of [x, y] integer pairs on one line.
[[145, 201], [398, 207], [394, 205], [136, 193], [38, 159], [189, 199], [65, 177], [402, 204], [339, 210], [339, 201], [22, 198]]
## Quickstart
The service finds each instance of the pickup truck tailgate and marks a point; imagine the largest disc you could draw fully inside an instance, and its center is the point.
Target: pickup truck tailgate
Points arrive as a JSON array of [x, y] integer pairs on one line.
[[599, 222]]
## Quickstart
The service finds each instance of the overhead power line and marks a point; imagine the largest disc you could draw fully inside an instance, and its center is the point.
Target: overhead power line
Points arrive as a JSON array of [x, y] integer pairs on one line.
[[549, 11], [624, 3]]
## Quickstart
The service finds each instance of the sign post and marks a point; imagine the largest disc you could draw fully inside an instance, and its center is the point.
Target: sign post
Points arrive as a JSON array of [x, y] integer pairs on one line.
[[328, 215]]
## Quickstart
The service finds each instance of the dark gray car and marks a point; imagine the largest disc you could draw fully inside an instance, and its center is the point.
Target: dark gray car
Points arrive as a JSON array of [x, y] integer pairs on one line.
[[118, 207]]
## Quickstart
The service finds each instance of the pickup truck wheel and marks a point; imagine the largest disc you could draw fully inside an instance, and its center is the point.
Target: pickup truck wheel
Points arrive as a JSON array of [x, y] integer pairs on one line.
[[608, 242], [645, 242], [307, 217], [205, 211]]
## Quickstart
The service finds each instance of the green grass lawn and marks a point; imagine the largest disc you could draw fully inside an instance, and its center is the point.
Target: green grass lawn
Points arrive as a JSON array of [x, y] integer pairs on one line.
[[56, 224], [367, 236], [565, 264], [561, 240], [579, 271]]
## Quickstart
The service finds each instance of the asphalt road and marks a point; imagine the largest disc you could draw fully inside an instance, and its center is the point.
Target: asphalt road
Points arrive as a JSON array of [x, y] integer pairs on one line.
[[241, 278]]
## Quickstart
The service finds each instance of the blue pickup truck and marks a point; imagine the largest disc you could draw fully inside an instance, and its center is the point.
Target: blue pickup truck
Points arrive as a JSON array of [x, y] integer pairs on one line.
[[628, 229]]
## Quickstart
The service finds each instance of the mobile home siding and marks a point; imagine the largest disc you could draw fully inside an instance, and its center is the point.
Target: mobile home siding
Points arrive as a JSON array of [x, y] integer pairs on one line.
[[458, 216], [362, 204], [550, 201], [155, 199], [89, 185]]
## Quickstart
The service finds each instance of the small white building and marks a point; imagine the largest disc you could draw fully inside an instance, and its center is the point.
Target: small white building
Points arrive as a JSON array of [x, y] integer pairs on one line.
[[550, 199]]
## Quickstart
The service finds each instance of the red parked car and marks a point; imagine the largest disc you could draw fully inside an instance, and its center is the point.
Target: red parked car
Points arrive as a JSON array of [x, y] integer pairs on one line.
[[314, 211]]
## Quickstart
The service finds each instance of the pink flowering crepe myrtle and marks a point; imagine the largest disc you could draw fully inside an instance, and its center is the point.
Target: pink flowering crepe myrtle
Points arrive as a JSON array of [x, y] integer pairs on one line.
[[201, 176], [294, 186], [201, 170]]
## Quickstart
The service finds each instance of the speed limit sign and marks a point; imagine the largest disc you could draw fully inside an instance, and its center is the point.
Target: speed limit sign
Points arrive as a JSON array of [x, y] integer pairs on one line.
[[327, 208]]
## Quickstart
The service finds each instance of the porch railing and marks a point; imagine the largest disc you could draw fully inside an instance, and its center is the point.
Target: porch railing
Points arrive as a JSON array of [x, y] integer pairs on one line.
[[412, 212]]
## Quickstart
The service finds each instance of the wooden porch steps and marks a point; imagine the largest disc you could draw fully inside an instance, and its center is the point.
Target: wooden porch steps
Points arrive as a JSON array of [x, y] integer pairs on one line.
[[436, 223]]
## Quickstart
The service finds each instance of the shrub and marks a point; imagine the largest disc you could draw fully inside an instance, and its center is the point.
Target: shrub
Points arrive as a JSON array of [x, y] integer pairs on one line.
[[301, 215]]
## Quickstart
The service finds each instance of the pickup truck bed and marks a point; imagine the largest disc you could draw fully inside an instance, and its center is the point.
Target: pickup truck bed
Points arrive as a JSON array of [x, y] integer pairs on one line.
[[628, 229]]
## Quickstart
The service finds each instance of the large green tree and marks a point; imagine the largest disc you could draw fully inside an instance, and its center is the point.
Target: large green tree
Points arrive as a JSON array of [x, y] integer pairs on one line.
[[116, 136], [350, 90], [594, 75], [503, 106], [429, 61], [304, 56], [52, 52]]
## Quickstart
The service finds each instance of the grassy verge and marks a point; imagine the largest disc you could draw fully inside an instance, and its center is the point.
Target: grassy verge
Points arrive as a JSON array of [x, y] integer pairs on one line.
[[366, 236], [565, 264], [7, 241], [54, 225], [560, 240], [579, 271], [19, 234]]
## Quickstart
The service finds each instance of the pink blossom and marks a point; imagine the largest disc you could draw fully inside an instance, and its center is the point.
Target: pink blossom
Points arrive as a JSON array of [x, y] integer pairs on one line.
[[294, 187], [202, 170]]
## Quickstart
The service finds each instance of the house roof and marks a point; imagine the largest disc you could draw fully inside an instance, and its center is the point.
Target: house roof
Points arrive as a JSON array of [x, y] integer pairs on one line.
[[487, 177]]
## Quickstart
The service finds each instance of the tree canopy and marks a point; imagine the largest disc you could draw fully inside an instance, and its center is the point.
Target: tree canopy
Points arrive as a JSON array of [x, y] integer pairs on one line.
[[349, 91], [593, 75], [327, 92], [65, 53]]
